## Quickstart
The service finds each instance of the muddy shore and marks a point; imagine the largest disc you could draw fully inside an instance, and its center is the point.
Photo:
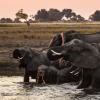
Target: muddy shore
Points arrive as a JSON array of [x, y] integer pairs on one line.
[[12, 88]]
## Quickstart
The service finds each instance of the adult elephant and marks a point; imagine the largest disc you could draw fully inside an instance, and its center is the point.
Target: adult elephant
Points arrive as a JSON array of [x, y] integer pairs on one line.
[[85, 56], [29, 60], [62, 38]]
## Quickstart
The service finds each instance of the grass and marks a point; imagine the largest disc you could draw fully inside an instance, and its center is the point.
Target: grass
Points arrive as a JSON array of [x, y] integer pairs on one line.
[[44, 30], [36, 36]]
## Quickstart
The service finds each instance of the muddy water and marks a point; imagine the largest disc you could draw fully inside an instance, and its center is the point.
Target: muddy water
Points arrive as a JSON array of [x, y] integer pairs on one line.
[[12, 88]]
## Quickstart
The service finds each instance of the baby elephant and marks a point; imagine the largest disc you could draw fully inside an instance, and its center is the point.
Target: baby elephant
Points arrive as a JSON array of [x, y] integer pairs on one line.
[[46, 74]]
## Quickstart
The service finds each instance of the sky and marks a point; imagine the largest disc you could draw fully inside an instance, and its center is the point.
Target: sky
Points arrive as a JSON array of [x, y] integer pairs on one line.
[[8, 8]]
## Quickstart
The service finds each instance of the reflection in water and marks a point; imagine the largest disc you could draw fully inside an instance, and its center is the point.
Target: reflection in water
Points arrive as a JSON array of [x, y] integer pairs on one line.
[[12, 88]]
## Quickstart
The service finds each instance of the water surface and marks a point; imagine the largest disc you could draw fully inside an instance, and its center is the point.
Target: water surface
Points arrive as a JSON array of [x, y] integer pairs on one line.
[[12, 88]]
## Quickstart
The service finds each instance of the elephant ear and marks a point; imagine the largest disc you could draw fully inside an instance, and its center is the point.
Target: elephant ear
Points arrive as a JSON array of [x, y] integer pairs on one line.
[[89, 58], [29, 61], [69, 35], [16, 53], [56, 41], [33, 60]]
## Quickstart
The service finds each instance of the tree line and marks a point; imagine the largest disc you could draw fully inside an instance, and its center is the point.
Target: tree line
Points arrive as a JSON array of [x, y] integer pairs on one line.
[[51, 15], [56, 15]]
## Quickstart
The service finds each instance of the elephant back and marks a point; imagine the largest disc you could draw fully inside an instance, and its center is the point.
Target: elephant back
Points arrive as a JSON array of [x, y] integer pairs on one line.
[[89, 58]]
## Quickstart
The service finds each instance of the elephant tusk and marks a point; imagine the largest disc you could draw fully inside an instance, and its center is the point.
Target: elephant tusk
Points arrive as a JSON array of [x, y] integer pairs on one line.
[[76, 73], [55, 53], [20, 57], [72, 72]]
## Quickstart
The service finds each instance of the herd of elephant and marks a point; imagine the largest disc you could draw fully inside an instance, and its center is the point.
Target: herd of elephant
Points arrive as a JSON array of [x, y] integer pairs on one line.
[[70, 57]]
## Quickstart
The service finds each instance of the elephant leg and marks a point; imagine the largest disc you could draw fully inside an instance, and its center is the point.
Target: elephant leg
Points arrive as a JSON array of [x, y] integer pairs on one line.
[[86, 79], [95, 84], [26, 77], [96, 79], [58, 78]]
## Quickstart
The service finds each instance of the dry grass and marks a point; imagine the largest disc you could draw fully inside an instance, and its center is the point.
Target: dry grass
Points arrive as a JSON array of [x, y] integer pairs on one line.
[[44, 31]]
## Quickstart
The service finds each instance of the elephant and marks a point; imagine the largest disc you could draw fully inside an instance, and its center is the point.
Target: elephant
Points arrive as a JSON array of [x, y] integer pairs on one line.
[[64, 37], [52, 75], [29, 60], [47, 74], [84, 55]]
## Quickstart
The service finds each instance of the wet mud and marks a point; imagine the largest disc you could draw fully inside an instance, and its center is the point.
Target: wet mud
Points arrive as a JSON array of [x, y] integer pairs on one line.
[[12, 88]]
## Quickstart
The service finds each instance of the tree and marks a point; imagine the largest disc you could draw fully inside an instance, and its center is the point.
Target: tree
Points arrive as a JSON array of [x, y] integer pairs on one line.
[[80, 18], [42, 15], [16, 20], [51, 15], [6, 20], [95, 16], [72, 15], [21, 15], [67, 12], [54, 15]]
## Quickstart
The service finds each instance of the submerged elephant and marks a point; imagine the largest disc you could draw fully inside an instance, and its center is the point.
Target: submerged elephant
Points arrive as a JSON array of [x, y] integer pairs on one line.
[[62, 38], [29, 59], [85, 56]]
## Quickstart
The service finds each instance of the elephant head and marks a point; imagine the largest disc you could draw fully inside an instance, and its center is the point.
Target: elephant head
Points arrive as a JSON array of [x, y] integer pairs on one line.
[[25, 57], [61, 38], [30, 59], [80, 53], [56, 40]]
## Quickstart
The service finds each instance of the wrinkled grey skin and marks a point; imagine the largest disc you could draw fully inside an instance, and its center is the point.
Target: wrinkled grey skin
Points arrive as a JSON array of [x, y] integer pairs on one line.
[[30, 60], [83, 55]]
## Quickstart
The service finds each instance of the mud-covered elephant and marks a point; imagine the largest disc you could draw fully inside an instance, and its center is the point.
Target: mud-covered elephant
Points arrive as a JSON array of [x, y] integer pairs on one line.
[[85, 56], [29, 60], [64, 37]]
